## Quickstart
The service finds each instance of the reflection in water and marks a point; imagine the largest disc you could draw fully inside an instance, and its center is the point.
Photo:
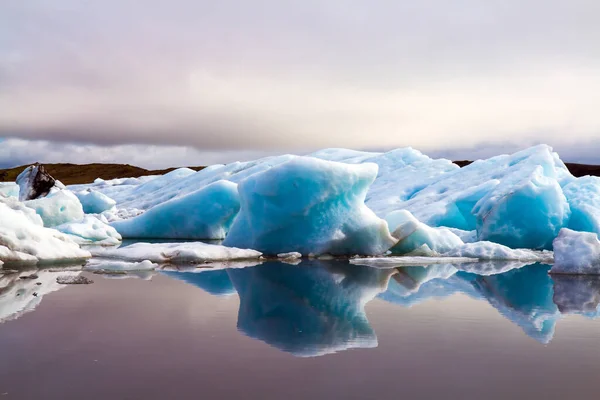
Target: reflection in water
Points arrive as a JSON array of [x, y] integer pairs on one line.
[[576, 294], [213, 281], [318, 306], [524, 296], [312, 309], [22, 291]]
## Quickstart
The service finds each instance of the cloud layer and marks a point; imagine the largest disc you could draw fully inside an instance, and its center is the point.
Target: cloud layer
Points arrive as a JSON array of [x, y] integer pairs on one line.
[[299, 75]]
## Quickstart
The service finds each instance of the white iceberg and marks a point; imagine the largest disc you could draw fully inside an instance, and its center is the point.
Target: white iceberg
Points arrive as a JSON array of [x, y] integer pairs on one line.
[[23, 238], [309, 206], [576, 253], [176, 253], [204, 214]]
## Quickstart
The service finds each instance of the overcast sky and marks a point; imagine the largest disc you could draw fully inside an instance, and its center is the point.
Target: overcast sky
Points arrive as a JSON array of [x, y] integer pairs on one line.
[[177, 82]]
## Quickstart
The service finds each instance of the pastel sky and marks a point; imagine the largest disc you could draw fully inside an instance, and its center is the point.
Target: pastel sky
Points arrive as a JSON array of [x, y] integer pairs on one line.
[[161, 83]]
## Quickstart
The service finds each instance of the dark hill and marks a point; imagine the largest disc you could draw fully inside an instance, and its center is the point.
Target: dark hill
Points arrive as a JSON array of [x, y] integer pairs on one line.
[[70, 174]]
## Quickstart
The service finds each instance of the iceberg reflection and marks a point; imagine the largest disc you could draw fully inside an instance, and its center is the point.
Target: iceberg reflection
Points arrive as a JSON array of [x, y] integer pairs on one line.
[[308, 310]]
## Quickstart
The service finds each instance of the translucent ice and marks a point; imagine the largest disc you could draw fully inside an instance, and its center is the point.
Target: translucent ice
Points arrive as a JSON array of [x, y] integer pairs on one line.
[[576, 253], [204, 214], [309, 206]]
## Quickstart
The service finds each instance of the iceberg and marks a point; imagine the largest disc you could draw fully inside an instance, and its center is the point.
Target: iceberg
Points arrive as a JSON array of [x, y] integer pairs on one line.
[[23, 238], [309, 206], [576, 253], [515, 200], [94, 202], [204, 214]]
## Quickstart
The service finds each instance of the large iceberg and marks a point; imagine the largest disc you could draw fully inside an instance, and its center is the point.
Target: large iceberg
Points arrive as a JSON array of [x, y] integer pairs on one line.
[[513, 200], [309, 206], [204, 214]]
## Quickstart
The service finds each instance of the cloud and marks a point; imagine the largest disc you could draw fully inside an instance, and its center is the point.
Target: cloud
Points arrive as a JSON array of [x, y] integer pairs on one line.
[[273, 76], [15, 152]]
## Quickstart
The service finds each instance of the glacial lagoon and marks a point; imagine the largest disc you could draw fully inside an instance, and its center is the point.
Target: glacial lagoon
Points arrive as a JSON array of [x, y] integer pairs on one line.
[[317, 329]]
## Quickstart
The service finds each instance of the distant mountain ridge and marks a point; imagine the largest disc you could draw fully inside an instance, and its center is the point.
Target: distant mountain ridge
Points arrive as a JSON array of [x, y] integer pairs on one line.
[[71, 174]]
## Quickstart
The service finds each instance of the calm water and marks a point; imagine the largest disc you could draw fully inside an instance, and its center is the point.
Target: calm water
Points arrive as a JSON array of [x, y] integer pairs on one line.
[[318, 330]]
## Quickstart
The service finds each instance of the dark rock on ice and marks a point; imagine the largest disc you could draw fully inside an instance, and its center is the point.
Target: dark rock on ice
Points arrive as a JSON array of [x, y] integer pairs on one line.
[[34, 182]]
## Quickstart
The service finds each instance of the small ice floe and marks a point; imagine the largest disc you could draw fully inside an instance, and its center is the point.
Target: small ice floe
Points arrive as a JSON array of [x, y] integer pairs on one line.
[[73, 280], [116, 266], [177, 253], [576, 253]]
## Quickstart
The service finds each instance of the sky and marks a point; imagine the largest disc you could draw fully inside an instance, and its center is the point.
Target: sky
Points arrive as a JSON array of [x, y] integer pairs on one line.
[[194, 82]]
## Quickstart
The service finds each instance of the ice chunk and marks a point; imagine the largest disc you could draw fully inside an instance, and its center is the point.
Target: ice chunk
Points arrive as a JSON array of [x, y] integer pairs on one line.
[[289, 256], [95, 202], [583, 196], [204, 214], [100, 265], [576, 253], [308, 205], [34, 182], [494, 251], [192, 253], [57, 208], [412, 235], [91, 230], [23, 238]]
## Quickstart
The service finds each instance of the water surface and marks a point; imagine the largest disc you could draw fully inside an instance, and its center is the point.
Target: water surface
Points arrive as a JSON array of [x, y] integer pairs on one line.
[[319, 330]]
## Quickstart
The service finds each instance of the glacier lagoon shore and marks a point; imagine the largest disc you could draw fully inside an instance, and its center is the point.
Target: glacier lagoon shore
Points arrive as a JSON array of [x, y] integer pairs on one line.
[[270, 327]]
